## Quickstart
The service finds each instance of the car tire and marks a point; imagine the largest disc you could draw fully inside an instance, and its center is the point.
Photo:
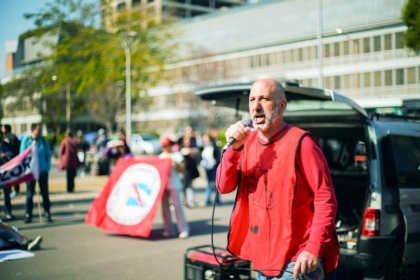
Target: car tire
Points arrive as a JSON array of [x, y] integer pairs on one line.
[[395, 269]]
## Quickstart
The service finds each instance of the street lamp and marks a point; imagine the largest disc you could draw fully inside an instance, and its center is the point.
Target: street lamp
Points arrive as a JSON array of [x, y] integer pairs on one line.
[[320, 46], [119, 86], [128, 39]]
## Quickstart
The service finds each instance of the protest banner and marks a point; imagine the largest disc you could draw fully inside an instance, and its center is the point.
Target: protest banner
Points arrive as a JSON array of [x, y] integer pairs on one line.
[[24, 167], [128, 203]]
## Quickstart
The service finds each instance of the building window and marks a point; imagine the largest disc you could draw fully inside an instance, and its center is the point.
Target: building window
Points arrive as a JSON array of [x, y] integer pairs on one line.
[[327, 82], [366, 45], [336, 49], [289, 57], [418, 73], [377, 43], [356, 46], [356, 81], [399, 76], [284, 56], [308, 53], [135, 3], [337, 82], [271, 59], [411, 75], [252, 62], [346, 81], [121, 6], [388, 77], [327, 52], [23, 127], [366, 80], [388, 42], [377, 78], [399, 40], [346, 48], [300, 54]]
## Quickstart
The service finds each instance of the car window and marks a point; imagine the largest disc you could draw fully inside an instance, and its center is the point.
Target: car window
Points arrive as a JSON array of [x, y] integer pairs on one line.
[[406, 161], [147, 137]]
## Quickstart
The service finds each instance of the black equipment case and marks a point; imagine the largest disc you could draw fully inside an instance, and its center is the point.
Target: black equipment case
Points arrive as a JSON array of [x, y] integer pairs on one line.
[[201, 264]]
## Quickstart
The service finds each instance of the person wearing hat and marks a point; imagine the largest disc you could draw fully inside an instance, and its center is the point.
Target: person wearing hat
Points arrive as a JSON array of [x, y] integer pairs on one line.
[[172, 194], [116, 150]]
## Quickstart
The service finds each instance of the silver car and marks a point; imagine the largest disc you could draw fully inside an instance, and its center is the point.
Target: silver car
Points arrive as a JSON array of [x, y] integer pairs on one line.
[[142, 143]]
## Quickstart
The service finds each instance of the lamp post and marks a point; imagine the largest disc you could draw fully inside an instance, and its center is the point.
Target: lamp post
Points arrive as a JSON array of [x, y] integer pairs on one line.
[[119, 86], [128, 39], [320, 46]]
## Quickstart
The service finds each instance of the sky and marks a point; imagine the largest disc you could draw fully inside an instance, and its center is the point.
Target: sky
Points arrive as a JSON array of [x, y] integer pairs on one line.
[[12, 22]]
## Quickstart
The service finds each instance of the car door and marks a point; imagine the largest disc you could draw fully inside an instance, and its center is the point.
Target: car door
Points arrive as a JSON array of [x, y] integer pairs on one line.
[[404, 143]]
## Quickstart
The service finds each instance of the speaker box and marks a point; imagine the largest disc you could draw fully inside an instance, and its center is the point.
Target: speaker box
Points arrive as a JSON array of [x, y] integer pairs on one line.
[[211, 263]]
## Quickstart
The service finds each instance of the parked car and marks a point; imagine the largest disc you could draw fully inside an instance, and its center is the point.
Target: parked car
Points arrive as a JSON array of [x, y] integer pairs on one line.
[[374, 162], [143, 143]]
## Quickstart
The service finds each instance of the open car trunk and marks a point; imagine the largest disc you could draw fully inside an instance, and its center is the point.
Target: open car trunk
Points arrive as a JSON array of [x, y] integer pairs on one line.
[[338, 123], [344, 149]]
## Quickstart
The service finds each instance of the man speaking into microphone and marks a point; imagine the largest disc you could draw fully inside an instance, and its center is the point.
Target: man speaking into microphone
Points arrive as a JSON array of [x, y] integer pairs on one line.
[[285, 208]]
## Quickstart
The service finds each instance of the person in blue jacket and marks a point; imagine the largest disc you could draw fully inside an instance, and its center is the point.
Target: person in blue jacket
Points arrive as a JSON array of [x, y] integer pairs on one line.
[[44, 157]]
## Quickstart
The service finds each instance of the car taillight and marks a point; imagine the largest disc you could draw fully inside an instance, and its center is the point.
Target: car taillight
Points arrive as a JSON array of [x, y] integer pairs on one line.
[[371, 221]]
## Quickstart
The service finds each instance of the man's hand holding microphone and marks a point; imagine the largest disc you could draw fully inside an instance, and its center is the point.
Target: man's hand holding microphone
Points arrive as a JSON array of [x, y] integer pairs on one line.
[[237, 134]]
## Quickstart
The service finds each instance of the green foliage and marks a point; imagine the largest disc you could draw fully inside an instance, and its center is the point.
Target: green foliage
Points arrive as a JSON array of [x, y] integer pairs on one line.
[[222, 137], [411, 18], [89, 60]]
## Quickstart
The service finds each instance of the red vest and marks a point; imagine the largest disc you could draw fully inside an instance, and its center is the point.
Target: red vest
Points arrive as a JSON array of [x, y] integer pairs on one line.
[[264, 222]]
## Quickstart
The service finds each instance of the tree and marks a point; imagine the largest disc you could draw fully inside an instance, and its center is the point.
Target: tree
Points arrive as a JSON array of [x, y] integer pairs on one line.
[[411, 18], [89, 60]]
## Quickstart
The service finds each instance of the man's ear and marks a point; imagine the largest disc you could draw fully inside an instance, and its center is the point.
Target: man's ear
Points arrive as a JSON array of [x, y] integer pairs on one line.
[[283, 104]]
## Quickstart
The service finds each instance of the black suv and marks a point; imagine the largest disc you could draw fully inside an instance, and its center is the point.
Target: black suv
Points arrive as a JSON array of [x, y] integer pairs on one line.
[[375, 166]]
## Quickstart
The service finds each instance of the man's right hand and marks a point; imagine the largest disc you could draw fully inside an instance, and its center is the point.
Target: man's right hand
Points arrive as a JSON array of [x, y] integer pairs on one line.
[[239, 132]]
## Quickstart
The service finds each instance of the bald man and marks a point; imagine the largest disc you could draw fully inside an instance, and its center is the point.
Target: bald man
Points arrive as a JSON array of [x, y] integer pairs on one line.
[[284, 214]]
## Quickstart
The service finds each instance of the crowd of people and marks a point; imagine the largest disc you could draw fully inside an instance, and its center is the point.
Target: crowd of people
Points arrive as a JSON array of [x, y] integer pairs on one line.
[[190, 153], [278, 170]]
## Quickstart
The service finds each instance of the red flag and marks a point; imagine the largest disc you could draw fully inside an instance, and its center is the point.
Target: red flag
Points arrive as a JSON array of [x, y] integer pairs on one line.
[[24, 167], [130, 198]]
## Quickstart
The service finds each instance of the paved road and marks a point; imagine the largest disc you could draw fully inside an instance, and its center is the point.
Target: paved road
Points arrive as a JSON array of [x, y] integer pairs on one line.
[[73, 250]]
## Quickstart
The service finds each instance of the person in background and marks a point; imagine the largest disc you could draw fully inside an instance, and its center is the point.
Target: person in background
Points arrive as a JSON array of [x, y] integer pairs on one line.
[[171, 195], [103, 163], [283, 219], [44, 162], [116, 150], [121, 134], [102, 140], [14, 143], [6, 154], [215, 138], [69, 160], [190, 154], [210, 158], [8, 233], [82, 153]]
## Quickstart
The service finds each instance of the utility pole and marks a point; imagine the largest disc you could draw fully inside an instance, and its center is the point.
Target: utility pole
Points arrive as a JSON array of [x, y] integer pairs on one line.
[[68, 110]]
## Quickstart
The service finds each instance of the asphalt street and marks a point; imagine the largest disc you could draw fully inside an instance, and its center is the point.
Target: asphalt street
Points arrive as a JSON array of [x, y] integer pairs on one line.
[[74, 250]]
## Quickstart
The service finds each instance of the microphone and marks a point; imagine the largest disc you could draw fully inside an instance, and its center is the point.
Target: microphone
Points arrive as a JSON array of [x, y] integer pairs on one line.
[[247, 122]]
